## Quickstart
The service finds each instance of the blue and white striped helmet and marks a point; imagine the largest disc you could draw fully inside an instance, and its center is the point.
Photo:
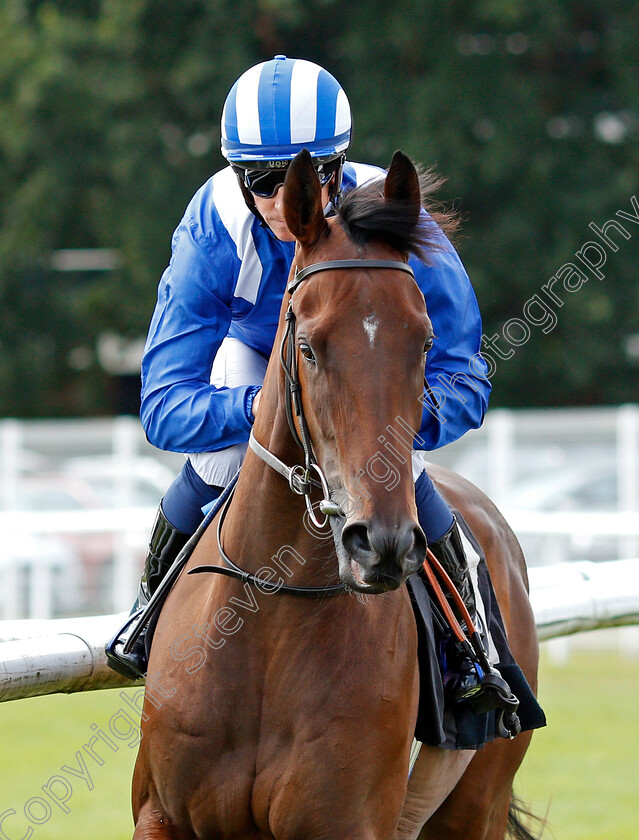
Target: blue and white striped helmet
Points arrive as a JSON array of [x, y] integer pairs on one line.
[[279, 107]]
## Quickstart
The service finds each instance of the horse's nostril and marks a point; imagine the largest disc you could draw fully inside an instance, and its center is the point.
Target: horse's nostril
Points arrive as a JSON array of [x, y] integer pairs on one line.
[[419, 543], [355, 538]]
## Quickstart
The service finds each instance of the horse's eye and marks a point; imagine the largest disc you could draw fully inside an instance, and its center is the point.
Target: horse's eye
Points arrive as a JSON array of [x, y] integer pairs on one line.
[[428, 344], [308, 354]]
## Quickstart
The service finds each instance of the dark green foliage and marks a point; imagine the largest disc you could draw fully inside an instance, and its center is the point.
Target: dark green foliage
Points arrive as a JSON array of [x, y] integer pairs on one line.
[[109, 121]]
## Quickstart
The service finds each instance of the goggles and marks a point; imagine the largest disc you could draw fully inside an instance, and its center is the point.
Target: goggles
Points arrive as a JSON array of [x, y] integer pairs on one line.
[[264, 183]]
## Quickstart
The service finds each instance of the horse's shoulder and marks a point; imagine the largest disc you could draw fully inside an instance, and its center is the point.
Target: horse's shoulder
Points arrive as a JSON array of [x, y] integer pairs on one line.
[[459, 491], [494, 534]]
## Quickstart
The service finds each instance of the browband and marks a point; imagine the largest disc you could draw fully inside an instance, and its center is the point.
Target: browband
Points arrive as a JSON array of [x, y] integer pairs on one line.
[[326, 266]]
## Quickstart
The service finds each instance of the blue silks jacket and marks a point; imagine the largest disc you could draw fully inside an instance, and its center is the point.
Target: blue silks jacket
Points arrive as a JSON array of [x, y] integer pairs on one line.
[[227, 276]]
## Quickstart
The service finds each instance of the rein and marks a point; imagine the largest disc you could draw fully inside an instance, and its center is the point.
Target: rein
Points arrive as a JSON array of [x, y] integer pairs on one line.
[[267, 586], [301, 479]]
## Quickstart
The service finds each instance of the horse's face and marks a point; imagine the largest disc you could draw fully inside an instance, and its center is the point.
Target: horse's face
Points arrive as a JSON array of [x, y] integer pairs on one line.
[[361, 339]]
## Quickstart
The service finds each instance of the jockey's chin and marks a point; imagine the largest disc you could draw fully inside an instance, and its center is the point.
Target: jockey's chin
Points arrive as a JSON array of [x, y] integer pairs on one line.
[[280, 230]]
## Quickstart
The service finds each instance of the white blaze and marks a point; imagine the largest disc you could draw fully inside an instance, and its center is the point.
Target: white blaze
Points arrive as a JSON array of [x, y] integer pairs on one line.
[[370, 324]]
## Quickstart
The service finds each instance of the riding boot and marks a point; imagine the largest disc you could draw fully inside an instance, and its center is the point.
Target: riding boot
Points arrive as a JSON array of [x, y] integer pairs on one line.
[[449, 550], [462, 679], [165, 545]]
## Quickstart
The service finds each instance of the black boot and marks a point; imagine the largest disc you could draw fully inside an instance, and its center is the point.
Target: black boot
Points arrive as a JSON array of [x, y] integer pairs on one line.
[[449, 550], [165, 545], [462, 680]]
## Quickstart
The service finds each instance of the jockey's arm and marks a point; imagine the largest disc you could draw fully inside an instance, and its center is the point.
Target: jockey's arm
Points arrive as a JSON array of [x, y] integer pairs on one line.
[[180, 410], [457, 397]]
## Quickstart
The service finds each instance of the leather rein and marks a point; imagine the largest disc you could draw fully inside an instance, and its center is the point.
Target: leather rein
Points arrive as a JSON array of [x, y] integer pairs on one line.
[[293, 402]]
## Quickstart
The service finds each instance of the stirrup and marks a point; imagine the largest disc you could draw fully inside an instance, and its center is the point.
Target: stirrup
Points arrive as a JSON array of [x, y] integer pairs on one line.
[[495, 692], [483, 689], [132, 665]]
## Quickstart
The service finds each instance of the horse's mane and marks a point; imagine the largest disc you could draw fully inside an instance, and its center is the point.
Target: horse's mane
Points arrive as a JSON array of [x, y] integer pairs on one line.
[[366, 217]]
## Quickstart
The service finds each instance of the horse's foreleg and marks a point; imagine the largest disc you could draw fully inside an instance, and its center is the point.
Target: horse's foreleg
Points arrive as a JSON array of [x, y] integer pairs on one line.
[[151, 820], [435, 774]]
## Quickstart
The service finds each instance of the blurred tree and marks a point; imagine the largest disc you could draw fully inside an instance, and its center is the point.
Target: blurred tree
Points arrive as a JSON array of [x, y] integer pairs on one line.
[[109, 120], [529, 109]]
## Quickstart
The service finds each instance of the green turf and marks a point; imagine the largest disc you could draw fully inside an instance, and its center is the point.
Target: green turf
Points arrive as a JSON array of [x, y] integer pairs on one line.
[[38, 737], [583, 768]]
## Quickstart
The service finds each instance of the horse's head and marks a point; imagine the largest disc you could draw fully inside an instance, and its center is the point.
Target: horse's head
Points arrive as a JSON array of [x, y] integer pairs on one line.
[[361, 336]]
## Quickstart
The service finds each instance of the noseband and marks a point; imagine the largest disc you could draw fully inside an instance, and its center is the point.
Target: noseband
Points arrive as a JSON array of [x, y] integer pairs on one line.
[[302, 479]]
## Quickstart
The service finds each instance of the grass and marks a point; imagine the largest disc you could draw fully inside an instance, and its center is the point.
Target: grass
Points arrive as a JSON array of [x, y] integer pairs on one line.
[[582, 768], [40, 736]]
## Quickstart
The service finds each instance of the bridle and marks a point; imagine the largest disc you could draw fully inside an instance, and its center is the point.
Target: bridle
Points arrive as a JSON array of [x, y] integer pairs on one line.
[[301, 481], [302, 478]]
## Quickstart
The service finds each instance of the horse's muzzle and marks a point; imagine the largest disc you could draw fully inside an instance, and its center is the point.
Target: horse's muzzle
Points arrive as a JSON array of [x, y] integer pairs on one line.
[[379, 558]]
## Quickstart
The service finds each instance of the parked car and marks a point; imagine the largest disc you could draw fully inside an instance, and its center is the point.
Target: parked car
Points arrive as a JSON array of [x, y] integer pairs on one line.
[[550, 478], [78, 490]]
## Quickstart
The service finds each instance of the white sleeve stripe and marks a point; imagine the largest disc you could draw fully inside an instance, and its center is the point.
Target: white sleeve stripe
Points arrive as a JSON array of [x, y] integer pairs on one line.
[[364, 172], [248, 281], [238, 220]]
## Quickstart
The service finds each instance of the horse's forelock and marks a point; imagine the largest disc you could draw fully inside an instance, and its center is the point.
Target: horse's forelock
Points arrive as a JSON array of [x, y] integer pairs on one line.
[[367, 217]]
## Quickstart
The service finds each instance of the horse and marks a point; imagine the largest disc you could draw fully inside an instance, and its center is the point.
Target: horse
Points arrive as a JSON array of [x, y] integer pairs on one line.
[[268, 715]]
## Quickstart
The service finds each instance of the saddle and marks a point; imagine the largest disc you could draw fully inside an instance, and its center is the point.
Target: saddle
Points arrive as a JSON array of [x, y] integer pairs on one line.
[[442, 721]]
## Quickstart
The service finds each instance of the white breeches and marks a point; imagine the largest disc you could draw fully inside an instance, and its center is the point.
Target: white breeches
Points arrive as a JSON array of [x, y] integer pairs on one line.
[[237, 364]]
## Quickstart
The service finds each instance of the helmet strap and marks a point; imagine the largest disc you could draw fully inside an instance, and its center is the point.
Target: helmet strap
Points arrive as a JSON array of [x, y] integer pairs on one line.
[[335, 189]]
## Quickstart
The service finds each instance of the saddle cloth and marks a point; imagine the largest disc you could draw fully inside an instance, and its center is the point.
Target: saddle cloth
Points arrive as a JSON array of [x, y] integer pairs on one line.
[[441, 722]]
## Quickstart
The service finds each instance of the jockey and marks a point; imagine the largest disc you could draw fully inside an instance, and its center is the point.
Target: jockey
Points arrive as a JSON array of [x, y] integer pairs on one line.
[[218, 308]]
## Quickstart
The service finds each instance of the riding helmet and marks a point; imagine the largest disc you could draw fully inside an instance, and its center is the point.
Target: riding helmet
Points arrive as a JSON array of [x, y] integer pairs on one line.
[[279, 107]]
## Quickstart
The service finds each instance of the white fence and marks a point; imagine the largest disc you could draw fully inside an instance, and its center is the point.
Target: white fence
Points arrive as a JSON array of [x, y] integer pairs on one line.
[[77, 498], [77, 502], [45, 657]]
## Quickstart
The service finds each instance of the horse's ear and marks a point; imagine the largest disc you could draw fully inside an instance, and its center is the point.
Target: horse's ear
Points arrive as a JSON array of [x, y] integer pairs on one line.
[[303, 211], [402, 183]]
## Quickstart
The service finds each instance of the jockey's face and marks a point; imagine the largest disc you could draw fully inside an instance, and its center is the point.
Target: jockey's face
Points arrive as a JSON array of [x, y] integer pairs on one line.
[[272, 211]]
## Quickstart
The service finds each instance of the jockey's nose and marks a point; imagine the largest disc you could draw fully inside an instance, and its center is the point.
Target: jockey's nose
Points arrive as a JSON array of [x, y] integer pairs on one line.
[[386, 555], [279, 197]]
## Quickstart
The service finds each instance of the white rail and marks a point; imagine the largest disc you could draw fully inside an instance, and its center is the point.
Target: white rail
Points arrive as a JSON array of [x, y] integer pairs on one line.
[[67, 655], [570, 598], [51, 656], [557, 537]]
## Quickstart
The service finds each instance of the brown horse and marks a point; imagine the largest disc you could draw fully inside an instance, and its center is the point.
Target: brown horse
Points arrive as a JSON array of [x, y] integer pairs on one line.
[[274, 716]]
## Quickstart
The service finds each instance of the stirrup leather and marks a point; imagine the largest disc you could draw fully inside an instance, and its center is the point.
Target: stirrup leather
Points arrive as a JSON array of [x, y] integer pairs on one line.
[[490, 690]]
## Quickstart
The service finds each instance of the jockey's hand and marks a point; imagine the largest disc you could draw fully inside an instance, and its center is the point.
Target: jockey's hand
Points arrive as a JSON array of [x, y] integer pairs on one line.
[[256, 402]]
